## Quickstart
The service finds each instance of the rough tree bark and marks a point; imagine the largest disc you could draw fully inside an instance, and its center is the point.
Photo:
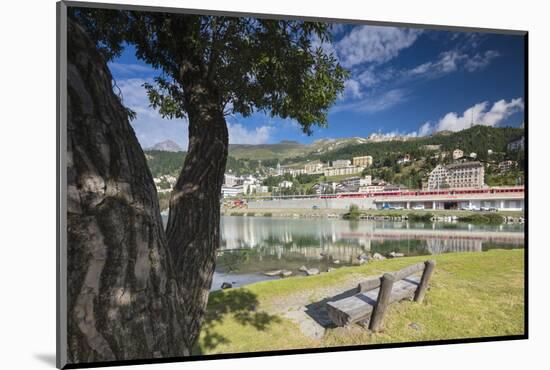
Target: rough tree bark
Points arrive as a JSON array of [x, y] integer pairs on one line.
[[193, 228], [123, 299]]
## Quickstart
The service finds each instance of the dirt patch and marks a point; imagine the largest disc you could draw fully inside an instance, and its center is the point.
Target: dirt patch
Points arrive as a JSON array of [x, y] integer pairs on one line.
[[307, 308]]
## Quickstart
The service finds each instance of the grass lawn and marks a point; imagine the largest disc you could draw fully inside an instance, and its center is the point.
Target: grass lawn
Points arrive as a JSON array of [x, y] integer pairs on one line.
[[472, 295]]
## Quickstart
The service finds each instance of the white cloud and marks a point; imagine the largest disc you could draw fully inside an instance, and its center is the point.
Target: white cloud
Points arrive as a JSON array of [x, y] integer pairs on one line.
[[479, 114], [425, 129], [238, 134], [151, 128], [369, 77], [326, 46], [352, 88], [452, 60], [337, 28], [373, 44], [447, 62], [374, 103], [480, 61]]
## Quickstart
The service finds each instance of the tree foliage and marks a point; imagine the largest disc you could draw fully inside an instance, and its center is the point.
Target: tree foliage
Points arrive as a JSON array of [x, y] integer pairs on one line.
[[242, 64]]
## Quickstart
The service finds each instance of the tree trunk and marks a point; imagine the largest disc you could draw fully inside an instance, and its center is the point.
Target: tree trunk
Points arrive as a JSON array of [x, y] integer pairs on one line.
[[123, 300], [193, 229]]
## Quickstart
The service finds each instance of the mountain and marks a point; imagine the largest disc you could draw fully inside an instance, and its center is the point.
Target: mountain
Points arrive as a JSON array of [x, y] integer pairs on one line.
[[166, 146], [326, 145], [290, 149]]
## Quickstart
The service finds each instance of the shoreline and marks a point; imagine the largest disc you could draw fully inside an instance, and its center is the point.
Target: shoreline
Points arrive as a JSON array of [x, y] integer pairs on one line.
[[396, 215]]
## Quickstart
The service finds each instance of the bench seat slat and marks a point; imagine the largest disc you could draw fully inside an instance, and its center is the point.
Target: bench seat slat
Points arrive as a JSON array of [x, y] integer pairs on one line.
[[360, 306]]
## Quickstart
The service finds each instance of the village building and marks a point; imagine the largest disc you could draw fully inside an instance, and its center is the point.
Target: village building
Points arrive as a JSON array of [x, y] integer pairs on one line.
[[341, 171], [363, 161], [313, 167], [457, 153], [341, 163], [517, 144], [506, 166]]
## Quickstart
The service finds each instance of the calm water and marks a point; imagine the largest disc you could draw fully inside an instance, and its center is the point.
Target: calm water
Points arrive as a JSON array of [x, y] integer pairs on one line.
[[254, 245]]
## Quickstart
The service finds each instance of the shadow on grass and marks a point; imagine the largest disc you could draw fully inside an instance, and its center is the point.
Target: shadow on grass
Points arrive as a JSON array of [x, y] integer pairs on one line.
[[318, 311], [239, 304]]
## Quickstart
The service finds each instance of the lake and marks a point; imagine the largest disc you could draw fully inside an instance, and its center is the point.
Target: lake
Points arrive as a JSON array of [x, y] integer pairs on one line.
[[252, 246]]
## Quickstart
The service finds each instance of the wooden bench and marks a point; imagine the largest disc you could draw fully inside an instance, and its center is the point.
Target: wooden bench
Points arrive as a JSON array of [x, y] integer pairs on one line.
[[375, 294]]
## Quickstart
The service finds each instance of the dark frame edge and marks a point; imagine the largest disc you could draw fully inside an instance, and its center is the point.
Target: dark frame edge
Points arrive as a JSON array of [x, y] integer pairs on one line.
[[214, 12], [294, 352], [61, 210], [526, 184]]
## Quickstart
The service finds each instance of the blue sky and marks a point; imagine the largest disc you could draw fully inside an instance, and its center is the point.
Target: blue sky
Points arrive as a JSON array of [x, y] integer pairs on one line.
[[403, 82]]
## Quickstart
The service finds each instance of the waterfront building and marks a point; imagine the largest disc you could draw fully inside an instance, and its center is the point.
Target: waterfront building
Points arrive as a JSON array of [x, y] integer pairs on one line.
[[363, 161], [285, 184], [457, 175], [356, 182], [371, 188], [232, 191], [232, 180], [325, 188], [438, 177]]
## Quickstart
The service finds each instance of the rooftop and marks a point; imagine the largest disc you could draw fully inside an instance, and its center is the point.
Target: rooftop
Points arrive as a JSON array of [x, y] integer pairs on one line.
[[474, 164]]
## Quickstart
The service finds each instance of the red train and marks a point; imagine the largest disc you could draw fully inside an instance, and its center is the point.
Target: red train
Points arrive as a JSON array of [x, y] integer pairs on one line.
[[402, 193]]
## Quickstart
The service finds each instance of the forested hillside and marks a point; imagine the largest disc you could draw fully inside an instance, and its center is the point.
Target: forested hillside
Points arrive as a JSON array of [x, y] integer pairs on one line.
[[170, 163], [478, 139]]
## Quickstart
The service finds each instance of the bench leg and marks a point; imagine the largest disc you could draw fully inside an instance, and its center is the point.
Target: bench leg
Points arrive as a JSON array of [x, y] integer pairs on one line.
[[382, 302], [426, 276]]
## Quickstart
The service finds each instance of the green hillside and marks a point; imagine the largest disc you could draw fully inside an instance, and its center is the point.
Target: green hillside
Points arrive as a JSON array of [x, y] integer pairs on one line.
[[478, 139], [170, 163], [248, 159], [284, 149]]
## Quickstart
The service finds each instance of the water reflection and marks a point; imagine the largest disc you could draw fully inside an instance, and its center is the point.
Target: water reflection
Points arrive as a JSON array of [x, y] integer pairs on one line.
[[253, 245]]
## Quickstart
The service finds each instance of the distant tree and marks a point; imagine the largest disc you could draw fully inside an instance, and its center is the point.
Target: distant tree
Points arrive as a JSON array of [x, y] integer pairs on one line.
[[353, 213], [396, 167]]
